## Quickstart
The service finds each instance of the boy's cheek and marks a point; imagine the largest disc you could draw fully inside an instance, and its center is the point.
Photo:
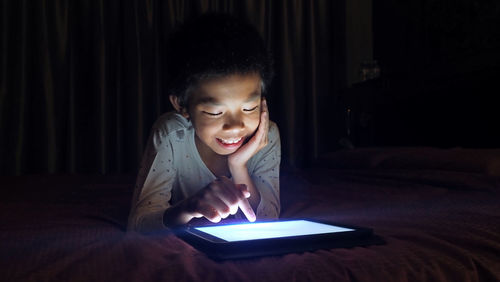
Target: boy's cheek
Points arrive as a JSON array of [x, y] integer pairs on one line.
[[201, 121], [252, 125]]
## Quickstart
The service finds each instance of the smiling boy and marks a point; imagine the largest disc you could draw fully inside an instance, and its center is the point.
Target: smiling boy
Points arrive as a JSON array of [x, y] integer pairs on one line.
[[218, 152]]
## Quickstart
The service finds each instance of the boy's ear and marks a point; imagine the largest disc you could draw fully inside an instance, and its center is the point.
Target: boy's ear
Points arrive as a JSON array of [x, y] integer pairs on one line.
[[174, 100]]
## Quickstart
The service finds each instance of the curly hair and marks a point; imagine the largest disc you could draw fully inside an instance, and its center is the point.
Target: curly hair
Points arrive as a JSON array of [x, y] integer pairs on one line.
[[215, 45]]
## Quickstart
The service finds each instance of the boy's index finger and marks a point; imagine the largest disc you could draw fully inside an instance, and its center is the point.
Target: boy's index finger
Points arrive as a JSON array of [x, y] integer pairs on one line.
[[244, 205], [266, 110], [247, 210], [264, 121]]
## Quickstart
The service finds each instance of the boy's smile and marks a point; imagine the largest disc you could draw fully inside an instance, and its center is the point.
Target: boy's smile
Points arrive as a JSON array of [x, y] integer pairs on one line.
[[225, 112], [229, 144]]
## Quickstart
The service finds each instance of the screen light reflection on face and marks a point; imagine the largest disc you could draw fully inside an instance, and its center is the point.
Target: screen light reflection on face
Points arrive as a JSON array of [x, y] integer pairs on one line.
[[266, 230]]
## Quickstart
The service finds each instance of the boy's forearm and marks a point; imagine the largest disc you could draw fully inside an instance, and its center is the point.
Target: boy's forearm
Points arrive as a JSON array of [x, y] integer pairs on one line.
[[240, 175]]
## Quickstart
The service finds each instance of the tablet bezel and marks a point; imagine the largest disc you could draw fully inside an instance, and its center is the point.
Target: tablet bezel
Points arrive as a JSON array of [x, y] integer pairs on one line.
[[218, 248]]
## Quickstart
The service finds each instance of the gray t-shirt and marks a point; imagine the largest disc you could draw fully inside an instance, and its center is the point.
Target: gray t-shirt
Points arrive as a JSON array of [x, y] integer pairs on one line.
[[172, 170]]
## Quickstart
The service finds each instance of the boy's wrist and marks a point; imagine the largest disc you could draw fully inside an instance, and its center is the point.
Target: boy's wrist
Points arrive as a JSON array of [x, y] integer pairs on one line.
[[236, 169]]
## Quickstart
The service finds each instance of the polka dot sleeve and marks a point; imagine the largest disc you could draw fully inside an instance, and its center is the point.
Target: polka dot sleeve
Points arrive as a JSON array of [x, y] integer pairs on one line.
[[153, 188], [265, 176]]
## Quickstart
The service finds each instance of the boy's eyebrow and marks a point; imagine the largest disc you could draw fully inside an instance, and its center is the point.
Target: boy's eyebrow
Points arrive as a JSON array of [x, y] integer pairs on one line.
[[213, 101], [209, 100], [254, 96]]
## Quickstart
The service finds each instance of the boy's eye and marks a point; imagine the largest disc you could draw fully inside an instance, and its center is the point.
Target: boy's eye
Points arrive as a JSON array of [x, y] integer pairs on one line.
[[251, 110], [212, 114]]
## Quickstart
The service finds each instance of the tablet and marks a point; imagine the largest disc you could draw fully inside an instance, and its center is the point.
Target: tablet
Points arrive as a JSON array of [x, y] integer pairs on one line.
[[242, 240]]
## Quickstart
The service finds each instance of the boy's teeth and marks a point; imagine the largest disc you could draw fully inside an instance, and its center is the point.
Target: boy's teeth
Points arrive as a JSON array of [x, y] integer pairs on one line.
[[230, 141]]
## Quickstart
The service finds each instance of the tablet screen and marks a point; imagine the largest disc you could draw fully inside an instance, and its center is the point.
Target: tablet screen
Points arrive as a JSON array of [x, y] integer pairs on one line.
[[266, 230]]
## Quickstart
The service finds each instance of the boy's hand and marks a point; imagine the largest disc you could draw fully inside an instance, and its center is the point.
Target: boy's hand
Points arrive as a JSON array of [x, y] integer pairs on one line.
[[257, 142], [220, 199]]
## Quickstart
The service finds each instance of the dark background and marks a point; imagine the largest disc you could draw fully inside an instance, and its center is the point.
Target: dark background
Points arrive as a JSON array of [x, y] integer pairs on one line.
[[81, 82], [441, 61]]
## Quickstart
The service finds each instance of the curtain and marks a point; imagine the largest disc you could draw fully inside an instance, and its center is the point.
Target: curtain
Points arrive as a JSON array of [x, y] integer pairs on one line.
[[81, 82]]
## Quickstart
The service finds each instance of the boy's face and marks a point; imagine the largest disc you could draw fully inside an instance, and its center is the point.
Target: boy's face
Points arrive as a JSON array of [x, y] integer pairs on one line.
[[225, 112]]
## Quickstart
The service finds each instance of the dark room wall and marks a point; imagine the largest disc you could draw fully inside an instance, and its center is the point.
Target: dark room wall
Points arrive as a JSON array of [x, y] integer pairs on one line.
[[440, 63]]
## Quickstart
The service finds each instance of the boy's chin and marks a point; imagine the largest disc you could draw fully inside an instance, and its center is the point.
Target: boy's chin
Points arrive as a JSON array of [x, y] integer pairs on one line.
[[225, 153]]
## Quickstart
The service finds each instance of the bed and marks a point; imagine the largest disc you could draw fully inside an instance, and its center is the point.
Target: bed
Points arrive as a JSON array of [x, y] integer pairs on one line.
[[438, 210]]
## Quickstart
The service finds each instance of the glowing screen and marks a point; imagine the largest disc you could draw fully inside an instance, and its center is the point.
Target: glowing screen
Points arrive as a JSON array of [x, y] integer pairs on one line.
[[266, 230]]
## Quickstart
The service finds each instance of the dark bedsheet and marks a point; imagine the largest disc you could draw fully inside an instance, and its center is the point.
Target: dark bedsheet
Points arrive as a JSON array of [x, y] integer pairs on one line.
[[438, 211]]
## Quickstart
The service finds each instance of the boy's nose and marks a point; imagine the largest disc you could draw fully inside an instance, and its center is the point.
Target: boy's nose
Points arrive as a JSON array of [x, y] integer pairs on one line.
[[233, 123]]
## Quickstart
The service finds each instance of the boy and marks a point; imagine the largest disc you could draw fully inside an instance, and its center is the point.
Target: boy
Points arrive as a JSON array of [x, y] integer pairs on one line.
[[218, 153]]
